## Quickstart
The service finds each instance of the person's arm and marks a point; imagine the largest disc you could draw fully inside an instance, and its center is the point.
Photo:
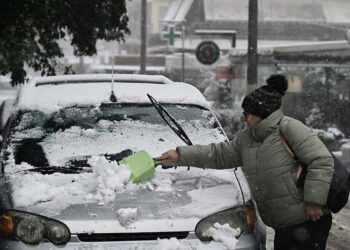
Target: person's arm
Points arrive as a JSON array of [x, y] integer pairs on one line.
[[216, 155], [310, 150]]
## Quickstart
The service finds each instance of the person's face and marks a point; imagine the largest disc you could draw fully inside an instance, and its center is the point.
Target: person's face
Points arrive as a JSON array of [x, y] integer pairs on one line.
[[252, 120]]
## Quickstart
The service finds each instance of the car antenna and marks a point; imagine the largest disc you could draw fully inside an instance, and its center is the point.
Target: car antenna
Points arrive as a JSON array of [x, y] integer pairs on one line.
[[112, 98]]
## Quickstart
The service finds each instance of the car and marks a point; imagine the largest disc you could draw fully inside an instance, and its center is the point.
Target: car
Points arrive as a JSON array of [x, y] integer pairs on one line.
[[5, 111], [63, 182]]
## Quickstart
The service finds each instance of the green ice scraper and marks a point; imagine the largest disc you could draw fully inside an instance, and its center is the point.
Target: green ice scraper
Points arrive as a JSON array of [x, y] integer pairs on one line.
[[141, 165]]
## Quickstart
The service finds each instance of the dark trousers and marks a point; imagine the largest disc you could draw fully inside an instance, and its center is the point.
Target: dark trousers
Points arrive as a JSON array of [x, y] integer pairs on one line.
[[308, 235]]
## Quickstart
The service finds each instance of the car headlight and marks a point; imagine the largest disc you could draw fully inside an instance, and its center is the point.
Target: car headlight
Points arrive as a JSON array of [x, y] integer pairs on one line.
[[237, 217], [32, 229]]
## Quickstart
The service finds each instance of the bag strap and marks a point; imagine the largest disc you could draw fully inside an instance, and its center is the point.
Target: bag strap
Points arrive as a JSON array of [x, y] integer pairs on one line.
[[290, 151]]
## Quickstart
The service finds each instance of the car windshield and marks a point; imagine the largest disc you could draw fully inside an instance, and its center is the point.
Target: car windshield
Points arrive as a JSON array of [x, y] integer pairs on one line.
[[70, 157], [68, 137]]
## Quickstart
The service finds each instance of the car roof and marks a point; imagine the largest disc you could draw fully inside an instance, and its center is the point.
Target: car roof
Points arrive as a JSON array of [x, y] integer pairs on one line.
[[49, 94]]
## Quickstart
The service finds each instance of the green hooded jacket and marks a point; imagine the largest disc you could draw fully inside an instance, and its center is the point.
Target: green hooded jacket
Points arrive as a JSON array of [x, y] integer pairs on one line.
[[269, 168]]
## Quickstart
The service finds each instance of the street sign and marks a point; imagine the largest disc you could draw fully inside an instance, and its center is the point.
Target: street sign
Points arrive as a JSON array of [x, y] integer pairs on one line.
[[218, 33], [170, 35], [207, 52]]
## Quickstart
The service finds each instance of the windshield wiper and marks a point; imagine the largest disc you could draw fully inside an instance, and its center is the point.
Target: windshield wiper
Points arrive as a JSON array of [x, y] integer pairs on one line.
[[82, 161], [177, 128], [165, 114], [76, 166]]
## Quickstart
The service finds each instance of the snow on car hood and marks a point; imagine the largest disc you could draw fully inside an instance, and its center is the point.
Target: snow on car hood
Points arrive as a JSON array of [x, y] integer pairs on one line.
[[105, 201], [102, 199]]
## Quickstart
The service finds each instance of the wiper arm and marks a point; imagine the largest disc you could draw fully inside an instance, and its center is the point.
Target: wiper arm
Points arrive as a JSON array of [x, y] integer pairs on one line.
[[64, 170], [164, 114], [76, 166], [83, 160]]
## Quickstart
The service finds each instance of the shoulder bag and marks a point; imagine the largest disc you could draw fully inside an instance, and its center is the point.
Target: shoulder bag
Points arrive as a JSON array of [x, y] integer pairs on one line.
[[340, 185]]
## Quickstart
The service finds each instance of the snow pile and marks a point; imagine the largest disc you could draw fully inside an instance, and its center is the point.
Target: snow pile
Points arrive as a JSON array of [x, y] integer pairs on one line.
[[110, 178], [102, 185], [212, 190], [126, 216], [225, 234], [55, 191]]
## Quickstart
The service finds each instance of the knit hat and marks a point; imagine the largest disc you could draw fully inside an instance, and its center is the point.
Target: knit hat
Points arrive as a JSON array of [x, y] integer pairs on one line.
[[265, 100]]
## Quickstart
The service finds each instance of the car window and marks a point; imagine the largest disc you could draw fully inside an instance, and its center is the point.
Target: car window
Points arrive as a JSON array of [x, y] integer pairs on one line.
[[71, 135]]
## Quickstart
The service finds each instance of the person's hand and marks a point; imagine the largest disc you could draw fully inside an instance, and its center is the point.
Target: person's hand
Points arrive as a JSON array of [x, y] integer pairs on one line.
[[313, 212], [171, 156]]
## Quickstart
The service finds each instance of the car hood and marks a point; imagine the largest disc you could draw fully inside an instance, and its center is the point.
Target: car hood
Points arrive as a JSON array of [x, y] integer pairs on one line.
[[172, 200]]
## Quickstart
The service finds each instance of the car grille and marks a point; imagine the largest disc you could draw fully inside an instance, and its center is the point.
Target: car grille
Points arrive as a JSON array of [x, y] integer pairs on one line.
[[131, 236]]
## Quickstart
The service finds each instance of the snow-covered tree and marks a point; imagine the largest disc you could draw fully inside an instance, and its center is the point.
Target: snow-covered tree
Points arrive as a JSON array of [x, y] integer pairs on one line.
[[316, 119], [226, 107]]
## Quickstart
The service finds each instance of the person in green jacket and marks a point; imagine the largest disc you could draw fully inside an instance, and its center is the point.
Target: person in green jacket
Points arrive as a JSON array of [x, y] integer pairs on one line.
[[297, 214]]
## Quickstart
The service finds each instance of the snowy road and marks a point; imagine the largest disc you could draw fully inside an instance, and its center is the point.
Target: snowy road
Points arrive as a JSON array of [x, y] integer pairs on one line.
[[339, 237]]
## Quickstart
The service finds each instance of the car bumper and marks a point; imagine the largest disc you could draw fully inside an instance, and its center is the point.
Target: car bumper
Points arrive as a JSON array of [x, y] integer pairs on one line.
[[247, 241]]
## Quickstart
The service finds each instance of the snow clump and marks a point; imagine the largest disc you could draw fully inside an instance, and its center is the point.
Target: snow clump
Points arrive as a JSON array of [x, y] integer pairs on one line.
[[171, 244], [110, 178], [224, 234], [126, 216]]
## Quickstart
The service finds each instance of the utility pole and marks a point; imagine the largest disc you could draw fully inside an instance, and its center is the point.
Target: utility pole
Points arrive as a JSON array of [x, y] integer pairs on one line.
[[183, 52], [143, 36], [252, 69]]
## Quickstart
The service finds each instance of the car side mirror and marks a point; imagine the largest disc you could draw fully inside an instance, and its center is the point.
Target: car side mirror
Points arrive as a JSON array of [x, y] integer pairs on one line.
[[235, 217]]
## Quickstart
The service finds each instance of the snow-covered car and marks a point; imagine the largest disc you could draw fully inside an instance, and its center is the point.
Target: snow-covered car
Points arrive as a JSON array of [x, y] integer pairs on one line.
[[62, 183], [5, 110]]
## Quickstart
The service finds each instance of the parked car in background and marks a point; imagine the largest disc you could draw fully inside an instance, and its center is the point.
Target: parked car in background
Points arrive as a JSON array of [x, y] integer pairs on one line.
[[5, 111], [8, 95], [61, 183]]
